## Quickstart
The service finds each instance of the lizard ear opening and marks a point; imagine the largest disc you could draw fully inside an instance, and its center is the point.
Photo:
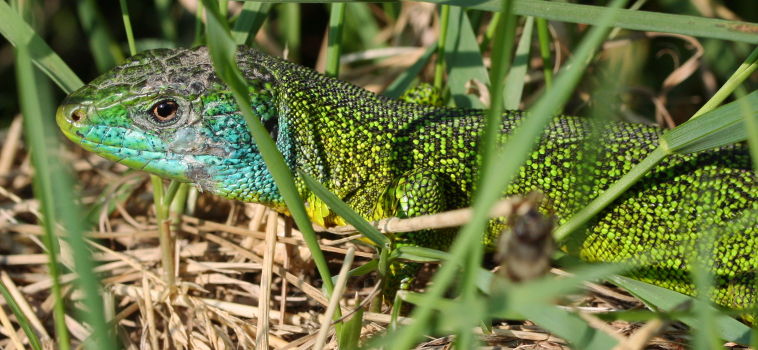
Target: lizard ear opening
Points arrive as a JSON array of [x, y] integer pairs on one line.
[[272, 125]]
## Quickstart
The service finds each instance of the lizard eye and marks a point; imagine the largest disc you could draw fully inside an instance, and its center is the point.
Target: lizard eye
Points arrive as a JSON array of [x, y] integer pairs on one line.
[[164, 111]]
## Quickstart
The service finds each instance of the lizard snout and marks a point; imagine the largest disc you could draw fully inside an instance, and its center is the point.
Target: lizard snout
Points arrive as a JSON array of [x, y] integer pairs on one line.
[[71, 117]]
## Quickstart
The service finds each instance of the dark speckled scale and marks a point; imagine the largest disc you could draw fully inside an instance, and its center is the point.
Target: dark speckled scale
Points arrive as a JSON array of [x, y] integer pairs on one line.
[[392, 158]]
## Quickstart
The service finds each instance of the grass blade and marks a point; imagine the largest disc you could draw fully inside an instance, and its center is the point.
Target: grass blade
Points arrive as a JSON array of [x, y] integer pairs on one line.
[[351, 332], [53, 188], [168, 25], [543, 34], [222, 49], [127, 26], [362, 26], [568, 326], [439, 63], [705, 336], [20, 318], [404, 80], [723, 126], [514, 83], [752, 128], [289, 25], [420, 254], [37, 134], [18, 32], [533, 300], [199, 25], [490, 32], [334, 48], [666, 299], [627, 19], [249, 21], [105, 52], [334, 301], [464, 61], [744, 71], [343, 210], [501, 63]]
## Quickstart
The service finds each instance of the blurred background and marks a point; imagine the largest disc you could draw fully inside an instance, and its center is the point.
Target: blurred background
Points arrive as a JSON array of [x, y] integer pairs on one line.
[[664, 79]]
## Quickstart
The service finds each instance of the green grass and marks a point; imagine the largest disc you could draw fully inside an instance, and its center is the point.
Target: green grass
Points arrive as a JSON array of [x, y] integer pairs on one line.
[[53, 187], [23, 321], [460, 57]]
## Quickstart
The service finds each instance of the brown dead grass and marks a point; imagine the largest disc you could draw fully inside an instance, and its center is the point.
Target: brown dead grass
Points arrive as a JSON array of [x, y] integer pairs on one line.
[[244, 276]]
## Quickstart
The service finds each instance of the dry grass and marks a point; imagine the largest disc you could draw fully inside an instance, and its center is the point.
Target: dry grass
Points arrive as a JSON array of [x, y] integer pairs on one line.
[[227, 254]]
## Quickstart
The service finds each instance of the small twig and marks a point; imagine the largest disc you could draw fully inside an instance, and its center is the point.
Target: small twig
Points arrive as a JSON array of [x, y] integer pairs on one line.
[[384, 318], [373, 293], [261, 338], [184, 300], [203, 225], [349, 238], [17, 200], [600, 289], [308, 339], [296, 281], [128, 217], [9, 330], [537, 336], [23, 304], [149, 313], [678, 75], [642, 336], [594, 322], [47, 283], [372, 54], [167, 252], [134, 263], [286, 265], [452, 218], [124, 314], [10, 146], [335, 300]]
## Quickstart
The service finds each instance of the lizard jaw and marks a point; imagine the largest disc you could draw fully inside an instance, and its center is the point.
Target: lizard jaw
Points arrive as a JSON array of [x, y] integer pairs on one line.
[[121, 144], [187, 156]]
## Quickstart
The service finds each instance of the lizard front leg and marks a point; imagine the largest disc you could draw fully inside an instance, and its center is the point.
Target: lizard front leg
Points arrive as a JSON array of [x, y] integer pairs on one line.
[[416, 193]]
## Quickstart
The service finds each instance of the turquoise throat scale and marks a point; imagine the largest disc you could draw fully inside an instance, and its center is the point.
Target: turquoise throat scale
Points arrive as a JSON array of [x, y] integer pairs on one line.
[[166, 112]]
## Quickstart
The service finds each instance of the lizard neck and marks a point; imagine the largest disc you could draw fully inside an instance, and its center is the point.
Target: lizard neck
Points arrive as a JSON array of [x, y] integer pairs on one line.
[[357, 143]]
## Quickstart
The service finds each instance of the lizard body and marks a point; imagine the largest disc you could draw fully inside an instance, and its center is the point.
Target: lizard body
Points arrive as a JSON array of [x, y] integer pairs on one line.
[[165, 112]]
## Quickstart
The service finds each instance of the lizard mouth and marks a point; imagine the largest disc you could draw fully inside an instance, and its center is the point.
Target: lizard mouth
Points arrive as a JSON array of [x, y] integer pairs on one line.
[[123, 145], [76, 122]]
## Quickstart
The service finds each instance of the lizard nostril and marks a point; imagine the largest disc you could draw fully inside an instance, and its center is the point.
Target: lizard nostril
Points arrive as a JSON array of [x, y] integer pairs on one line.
[[77, 115]]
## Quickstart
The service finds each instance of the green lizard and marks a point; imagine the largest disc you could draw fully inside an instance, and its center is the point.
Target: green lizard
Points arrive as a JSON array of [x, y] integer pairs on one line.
[[166, 112]]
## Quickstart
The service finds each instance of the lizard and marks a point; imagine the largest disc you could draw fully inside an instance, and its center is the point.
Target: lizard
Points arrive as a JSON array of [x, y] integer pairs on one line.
[[166, 112]]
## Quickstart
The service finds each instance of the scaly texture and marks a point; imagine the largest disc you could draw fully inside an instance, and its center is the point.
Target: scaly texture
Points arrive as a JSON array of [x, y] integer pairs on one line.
[[166, 112]]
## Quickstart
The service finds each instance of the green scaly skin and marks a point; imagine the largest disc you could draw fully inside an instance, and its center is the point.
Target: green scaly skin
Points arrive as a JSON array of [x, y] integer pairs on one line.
[[389, 158]]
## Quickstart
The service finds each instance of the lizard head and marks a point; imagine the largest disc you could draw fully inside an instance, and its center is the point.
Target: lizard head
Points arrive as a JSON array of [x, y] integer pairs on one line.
[[166, 112]]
